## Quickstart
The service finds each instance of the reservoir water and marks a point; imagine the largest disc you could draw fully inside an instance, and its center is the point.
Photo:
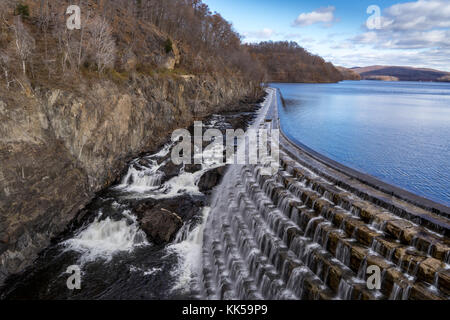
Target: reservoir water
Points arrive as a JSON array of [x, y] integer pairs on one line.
[[398, 132]]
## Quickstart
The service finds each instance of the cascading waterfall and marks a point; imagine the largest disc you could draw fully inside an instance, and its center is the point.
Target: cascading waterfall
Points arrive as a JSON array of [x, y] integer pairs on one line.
[[142, 180], [292, 235], [103, 238], [188, 246], [116, 258], [296, 235]]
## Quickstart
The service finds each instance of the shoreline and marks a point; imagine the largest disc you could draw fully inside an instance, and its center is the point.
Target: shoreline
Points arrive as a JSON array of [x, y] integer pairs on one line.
[[75, 143], [166, 219]]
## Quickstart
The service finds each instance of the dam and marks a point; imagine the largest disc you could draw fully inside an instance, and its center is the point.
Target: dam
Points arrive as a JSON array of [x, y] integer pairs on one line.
[[309, 231], [312, 230]]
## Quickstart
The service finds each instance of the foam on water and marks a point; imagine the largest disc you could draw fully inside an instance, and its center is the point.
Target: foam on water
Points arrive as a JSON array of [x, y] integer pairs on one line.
[[144, 180], [185, 182], [148, 272], [104, 238], [163, 152], [190, 255]]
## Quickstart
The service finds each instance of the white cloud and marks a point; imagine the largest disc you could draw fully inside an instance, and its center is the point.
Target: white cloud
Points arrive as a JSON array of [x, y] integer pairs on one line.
[[298, 37], [366, 38], [437, 59], [321, 15], [343, 45], [419, 40], [415, 33], [412, 25], [418, 15]]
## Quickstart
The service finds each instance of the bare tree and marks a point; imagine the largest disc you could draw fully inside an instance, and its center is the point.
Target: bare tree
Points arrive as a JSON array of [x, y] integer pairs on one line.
[[44, 21], [4, 64], [68, 45], [101, 43], [25, 43], [3, 11], [288, 62], [81, 53]]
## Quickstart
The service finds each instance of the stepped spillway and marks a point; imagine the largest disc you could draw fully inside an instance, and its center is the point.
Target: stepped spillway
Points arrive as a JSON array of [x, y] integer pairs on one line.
[[311, 231]]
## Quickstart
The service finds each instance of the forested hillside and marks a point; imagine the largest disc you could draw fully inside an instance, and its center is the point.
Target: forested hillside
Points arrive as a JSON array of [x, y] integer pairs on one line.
[[77, 105], [349, 74], [122, 39], [288, 62], [118, 39]]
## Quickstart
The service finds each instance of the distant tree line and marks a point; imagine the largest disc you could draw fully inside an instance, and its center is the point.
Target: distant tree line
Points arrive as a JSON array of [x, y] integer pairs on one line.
[[210, 41], [34, 38], [288, 62], [122, 37]]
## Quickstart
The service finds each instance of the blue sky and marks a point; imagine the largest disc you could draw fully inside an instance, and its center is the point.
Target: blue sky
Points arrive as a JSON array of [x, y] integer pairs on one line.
[[411, 32]]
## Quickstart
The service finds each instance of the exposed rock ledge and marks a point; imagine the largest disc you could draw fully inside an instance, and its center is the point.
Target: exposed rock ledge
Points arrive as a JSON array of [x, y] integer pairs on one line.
[[59, 147]]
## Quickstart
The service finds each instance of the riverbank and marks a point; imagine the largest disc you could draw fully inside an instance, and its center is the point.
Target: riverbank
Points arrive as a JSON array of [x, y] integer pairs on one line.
[[135, 239], [61, 147]]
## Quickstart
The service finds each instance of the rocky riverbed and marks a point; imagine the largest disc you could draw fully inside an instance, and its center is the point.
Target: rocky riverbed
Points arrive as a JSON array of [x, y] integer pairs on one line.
[[60, 146], [139, 237]]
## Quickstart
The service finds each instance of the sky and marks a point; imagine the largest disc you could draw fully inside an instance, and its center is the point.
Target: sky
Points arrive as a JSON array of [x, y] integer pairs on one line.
[[348, 33]]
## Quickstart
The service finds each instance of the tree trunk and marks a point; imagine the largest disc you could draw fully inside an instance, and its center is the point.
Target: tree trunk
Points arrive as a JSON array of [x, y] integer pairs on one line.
[[81, 38], [7, 79]]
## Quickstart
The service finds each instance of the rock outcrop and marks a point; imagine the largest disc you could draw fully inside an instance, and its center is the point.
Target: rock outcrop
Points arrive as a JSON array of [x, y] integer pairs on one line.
[[210, 179], [161, 225], [161, 219], [58, 147]]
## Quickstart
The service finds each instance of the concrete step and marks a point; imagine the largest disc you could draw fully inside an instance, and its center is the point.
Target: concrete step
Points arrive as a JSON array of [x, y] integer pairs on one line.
[[312, 211]]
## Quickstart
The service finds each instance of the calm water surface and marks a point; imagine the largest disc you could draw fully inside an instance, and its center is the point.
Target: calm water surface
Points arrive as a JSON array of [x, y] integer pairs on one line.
[[396, 131]]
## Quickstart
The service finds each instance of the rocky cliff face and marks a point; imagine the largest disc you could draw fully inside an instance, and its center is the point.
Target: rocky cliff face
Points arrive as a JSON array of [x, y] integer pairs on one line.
[[59, 147]]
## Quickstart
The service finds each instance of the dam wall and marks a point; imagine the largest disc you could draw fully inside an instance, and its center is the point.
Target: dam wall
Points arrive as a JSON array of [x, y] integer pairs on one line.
[[312, 230]]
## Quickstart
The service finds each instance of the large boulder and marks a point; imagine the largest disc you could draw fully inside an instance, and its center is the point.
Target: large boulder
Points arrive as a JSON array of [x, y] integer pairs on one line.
[[160, 225], [210, 179], [170, 170], [192, 167], [172, 58], [161, 219], [185, 206]]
